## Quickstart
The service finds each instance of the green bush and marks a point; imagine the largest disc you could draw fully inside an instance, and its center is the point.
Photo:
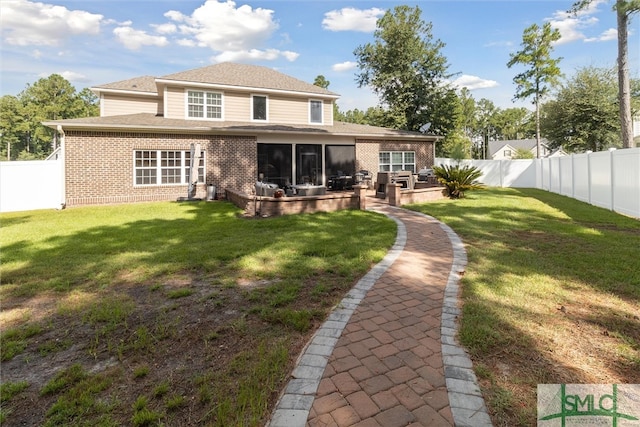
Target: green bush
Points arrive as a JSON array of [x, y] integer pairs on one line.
[[457, 179]]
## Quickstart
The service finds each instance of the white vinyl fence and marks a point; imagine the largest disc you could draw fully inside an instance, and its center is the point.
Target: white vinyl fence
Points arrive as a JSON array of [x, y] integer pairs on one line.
[[608, 179], [30, 185]]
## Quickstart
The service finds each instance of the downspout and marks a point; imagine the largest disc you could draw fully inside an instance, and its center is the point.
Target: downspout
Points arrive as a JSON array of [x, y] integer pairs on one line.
[[63, 174]]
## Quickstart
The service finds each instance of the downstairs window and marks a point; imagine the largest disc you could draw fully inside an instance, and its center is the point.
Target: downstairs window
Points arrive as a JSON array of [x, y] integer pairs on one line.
[[164, 167], [397, 161]]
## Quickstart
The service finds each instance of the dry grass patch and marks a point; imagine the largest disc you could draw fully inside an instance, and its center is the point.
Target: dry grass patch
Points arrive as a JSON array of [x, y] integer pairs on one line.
[[172, 314]]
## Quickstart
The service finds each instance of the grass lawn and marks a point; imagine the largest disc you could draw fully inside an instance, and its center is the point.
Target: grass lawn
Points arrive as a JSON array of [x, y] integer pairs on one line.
[[551, 294], [167, 313]]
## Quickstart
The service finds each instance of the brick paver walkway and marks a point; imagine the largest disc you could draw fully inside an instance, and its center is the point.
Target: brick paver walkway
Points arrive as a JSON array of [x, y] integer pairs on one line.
[[386, 369], [378, 360]]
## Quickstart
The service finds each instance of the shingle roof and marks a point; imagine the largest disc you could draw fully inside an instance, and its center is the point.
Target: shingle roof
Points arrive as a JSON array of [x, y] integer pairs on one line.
[[150, 122], [245, 75], [137, 84]]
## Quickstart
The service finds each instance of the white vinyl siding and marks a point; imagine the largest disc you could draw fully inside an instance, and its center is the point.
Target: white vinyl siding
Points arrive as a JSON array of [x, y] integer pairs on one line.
[[117, 105], [328, 113], [236, 106], [164, 167], [174, 103]]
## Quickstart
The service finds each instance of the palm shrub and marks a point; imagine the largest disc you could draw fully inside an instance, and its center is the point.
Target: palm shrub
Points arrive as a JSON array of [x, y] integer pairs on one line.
[[458, 179]]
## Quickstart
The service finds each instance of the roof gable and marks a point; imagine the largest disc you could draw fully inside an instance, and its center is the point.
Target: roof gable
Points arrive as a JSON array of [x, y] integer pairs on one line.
[[516, 144], [248, 76], [136, 84]]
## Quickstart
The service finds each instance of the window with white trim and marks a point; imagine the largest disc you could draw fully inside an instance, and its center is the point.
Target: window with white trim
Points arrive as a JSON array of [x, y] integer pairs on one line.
[[164, 167], [204, 105], [397, 161], [315, 111], [259, 107]]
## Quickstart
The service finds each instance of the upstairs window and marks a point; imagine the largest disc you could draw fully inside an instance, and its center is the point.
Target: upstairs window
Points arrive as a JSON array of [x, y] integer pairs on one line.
[[259, 107], [315, 111], [390, 161], [204, 105]]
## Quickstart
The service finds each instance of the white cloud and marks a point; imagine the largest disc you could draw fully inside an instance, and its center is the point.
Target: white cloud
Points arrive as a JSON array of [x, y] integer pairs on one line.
[[474, 82], [289, 55], [503, 43], [344, 66], [134, 39], [72, 76], [254, 54], [610, 34], [26, 23], [350, 19], [186, 42], [221, 26], [36, 53], [167, 28], [572, 25]]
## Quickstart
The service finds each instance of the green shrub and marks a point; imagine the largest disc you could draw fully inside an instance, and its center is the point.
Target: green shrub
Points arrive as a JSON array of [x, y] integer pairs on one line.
[[457, 179]]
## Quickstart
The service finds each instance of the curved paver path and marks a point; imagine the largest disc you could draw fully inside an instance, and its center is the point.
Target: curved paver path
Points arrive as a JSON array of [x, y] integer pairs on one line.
[[387, 355]]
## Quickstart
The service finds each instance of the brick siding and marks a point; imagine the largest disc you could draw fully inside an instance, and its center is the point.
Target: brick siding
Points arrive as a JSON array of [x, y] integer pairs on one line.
[[367, 153], [99, 165]]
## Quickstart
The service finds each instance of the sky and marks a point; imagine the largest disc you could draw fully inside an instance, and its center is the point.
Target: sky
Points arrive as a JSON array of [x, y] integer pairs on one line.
[[94, 42]]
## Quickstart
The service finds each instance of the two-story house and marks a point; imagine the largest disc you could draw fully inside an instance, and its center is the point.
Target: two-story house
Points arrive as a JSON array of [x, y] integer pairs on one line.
[[249, 121]]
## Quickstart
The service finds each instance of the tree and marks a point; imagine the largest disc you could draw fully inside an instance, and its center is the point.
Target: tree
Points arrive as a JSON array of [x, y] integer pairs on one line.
[[321, 82], [624, 9], [12, 126], [405, 67], [50, 98], [54, 98], [542, 72], [456, 146], [514, 123], [584, 114], [522, 153], [485, 113], [467, 112]]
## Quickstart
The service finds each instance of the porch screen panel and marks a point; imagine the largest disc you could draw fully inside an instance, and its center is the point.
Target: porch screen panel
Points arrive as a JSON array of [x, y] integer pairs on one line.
[[340, 160], [309, 164], [275, 163]]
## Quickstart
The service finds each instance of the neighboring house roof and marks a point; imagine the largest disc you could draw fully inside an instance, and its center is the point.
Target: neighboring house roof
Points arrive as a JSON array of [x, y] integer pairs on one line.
[[151, 122], [137, 84], [246, 76], [516, 144], [558, 152]]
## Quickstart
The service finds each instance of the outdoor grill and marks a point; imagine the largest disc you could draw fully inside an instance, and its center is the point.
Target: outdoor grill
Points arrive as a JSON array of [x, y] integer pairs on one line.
[[424, 174]]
